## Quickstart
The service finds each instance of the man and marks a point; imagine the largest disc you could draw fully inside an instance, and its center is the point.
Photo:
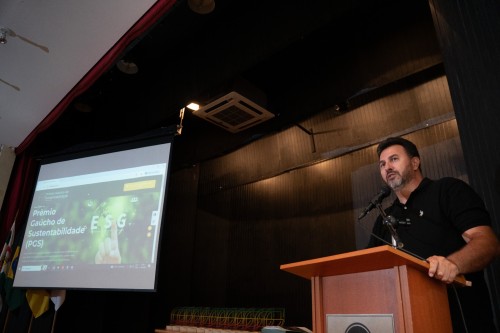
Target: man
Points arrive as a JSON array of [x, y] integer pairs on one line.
[[449, 227]]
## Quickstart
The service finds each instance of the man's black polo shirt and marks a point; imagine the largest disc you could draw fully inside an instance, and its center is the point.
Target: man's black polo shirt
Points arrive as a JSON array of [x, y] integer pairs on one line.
[[433, 221]]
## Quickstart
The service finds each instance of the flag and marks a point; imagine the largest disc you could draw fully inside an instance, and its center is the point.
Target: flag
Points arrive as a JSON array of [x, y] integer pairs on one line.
[[38, 300], [8, 244], [5, 260], [7, 249], [14, 296], [57, 297]]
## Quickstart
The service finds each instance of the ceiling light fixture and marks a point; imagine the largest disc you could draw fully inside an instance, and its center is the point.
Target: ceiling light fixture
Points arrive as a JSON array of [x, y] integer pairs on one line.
[[3, 35], [127, 67], [202, 6]]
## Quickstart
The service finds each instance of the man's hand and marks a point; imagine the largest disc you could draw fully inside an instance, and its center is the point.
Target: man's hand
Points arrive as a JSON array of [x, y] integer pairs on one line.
[[442, 269], [481, 247]]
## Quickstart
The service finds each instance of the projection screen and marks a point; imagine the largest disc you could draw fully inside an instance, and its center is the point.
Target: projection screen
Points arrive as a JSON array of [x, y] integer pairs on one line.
[[95, 220]]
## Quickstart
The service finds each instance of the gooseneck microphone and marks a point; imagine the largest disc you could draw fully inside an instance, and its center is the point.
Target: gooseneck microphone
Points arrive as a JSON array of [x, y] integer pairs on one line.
[[384, 193]]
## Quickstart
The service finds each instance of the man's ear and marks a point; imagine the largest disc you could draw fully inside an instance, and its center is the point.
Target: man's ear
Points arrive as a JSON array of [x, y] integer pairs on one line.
[[415, 162]]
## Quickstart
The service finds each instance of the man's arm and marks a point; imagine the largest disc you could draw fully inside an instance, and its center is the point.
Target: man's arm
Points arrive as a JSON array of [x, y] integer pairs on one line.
[[481, 248]]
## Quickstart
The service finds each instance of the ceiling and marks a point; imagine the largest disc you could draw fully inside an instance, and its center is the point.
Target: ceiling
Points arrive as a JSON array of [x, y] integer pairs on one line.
[[50, 47], [302, 56]]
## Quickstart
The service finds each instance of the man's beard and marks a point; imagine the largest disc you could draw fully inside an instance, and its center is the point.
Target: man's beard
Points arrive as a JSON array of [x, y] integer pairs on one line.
[[399, 181], [396, 183]]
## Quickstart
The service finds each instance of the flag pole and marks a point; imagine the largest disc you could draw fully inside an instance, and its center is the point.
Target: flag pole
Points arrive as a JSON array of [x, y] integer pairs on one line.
[[53, 322], [31, 322], [6, 321]]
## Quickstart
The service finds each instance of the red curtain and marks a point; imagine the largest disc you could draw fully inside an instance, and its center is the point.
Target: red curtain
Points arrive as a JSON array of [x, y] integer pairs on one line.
[[146, 21], [18, 193], [23, 173]]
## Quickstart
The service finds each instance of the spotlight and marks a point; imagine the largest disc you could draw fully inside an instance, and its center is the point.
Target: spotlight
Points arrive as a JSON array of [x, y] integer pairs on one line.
[[202, 6], [193, 106], [127, 67]]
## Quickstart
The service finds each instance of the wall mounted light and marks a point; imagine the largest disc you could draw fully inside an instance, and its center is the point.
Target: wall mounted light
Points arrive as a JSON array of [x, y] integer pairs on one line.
[[192, 106], [181, 117]]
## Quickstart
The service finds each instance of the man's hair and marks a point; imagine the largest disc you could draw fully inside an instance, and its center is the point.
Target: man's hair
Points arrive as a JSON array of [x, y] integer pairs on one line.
[[409, 146]]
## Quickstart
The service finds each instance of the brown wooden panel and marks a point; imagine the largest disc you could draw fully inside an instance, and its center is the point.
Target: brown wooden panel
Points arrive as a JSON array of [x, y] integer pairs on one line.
[[425, 301], [373, 292]]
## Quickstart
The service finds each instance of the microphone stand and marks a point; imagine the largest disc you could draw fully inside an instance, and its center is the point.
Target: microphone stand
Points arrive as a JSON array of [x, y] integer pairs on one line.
[[390, 222]]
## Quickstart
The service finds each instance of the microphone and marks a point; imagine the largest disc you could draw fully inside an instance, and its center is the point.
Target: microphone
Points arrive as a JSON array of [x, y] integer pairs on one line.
[[384, 193]]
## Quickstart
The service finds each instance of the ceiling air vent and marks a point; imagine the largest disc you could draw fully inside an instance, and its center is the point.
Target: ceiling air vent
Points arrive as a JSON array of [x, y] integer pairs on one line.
[[234, 112]]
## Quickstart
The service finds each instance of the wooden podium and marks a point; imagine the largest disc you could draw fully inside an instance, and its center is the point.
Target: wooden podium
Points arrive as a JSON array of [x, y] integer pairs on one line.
[[380, 283]]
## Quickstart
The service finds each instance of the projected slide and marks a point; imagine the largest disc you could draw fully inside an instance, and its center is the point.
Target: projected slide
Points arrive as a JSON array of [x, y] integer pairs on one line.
[[99, 229]]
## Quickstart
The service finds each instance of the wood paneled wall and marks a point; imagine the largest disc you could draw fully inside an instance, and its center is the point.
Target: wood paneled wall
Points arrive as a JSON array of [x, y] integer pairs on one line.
[[296, 195]]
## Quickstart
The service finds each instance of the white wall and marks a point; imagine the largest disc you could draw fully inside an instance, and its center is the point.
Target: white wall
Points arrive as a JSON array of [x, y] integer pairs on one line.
[[55, 41]]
